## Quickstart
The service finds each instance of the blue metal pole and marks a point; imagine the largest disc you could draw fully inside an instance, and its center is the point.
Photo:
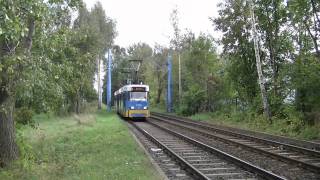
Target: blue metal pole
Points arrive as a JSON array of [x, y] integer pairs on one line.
[[169, 90], [109, 81]]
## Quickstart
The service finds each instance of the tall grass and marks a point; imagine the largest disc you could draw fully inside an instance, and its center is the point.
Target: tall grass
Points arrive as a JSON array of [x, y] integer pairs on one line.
[[87, 146], [291, 126]]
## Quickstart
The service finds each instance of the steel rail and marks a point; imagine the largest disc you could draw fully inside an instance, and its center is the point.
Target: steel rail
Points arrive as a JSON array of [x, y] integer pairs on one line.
[[187, 166], [302, 164], [241, 163]]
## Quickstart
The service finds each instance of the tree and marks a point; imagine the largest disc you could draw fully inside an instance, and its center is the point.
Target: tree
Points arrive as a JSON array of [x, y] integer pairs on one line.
[[288, 40], [17, 26], [50, 70], [94, 35], [238, 49], [305, 13], [263, 92], [140, 51], [304, 69], [175, 41], [157, 71], [19, 21], [202, 81]]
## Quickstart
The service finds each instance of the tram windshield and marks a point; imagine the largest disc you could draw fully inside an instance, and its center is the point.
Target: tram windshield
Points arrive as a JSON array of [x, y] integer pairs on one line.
[[138, 96]]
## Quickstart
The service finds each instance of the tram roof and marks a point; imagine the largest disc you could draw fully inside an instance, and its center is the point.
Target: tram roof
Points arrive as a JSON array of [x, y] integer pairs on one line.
[[129, 88]]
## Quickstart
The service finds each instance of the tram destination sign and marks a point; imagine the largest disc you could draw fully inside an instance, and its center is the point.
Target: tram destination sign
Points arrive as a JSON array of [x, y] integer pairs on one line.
[[139, 89]]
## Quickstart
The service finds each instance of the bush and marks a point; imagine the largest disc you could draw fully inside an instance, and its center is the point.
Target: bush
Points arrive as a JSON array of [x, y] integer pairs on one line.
[[26, 153], [310, 133], [24, 116]]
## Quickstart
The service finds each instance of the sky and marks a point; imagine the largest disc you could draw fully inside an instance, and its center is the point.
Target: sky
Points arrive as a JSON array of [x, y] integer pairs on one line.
[[149, 20]]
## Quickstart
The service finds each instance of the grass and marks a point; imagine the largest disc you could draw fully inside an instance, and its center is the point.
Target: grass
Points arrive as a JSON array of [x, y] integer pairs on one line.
[[157, 109], [92, 146]]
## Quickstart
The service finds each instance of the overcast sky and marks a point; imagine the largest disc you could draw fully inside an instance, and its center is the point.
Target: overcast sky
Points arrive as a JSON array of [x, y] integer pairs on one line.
[[148, 20]]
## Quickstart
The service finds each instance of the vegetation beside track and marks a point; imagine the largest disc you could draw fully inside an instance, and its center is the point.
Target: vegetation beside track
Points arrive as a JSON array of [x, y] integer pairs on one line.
[[291, 127], [87, 146]]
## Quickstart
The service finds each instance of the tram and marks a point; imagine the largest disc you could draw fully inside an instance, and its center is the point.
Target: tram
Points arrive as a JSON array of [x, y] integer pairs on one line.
[[131, 101]]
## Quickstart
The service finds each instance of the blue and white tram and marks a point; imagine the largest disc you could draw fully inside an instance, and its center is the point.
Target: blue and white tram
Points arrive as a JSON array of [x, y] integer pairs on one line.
[[132, 101]]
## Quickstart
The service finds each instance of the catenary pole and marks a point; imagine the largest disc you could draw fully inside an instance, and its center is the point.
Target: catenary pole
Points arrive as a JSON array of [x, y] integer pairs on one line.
[[180, 87], [99, 85], [109, 81], [169, 88]]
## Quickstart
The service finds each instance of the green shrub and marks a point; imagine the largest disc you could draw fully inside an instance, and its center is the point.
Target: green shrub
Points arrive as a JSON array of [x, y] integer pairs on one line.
[[183, 110], [26, 153], [294, 120], [24, 116], [310, 133]]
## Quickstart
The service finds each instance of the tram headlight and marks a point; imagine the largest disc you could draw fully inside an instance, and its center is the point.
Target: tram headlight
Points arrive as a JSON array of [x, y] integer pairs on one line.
[[132, 107], [145, 107]]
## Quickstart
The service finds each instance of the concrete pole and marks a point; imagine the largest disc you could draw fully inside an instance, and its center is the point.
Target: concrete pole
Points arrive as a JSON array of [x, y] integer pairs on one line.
[[180, 87], [99, 86], [169, 88], [109, 81]]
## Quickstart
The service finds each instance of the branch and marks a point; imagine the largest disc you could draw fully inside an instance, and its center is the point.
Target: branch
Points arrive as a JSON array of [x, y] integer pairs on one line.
[[30, 34], [314, 11]]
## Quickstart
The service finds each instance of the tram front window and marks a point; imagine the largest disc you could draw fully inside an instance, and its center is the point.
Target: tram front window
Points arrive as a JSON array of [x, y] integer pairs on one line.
[[138, 96]]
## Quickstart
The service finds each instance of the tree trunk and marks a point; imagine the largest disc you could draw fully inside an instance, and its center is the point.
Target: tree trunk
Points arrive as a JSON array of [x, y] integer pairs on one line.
[[159, 91], [8, 147], [259, 69], [78, 105], [272, 61], [314, 39]]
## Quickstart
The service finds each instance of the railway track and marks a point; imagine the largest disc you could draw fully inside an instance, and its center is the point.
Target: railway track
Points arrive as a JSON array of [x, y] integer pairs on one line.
[[188, 158], [308, 159], [281, 139]]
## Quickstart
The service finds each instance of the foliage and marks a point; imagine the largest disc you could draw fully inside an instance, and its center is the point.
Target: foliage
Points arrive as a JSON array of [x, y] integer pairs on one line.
[[24, 116], [288, 42], [202, 76], [155, 75], [62, 78], [287, 38], [26, 151], [47, 60], [238, 49], [305, 75], [292, 126]]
